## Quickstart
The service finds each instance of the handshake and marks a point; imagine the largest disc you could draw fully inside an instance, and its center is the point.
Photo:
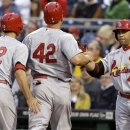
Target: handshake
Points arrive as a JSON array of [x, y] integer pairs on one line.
[[89, 55], [90, 65]]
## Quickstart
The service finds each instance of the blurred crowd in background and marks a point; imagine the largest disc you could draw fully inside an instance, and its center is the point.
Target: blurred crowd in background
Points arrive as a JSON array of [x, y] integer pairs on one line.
[[87, 92]]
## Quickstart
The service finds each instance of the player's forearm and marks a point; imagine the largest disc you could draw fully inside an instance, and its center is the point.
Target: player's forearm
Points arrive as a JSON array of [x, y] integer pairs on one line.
[[23, 84], [90, 66], [83, 60], [80, 59]]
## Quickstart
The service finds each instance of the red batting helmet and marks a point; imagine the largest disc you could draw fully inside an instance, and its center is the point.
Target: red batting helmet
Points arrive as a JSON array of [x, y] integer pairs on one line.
[[12, 22], [53, 13], [122, 24]]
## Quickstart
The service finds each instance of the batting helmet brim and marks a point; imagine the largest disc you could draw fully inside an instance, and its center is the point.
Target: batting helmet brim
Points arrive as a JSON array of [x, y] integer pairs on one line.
[[121, 29]]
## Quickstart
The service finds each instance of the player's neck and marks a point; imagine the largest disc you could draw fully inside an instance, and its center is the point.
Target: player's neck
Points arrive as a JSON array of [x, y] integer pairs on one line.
[[11, 34], [55, 26]]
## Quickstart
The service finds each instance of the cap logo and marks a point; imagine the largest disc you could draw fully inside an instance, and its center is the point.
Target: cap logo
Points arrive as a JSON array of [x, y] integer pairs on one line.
[[127, 25], [119, 24]]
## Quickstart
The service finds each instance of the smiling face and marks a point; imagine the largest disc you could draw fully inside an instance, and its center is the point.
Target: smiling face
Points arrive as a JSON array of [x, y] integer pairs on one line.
[[123, 37]]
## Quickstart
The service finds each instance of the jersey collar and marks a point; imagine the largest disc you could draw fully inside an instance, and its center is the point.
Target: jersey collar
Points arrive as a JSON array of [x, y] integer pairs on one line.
[[126, 48]]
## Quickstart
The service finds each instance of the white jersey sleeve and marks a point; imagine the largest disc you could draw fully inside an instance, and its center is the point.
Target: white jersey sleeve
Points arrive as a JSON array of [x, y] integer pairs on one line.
[[70, 47], [21, 55], [26, 41]]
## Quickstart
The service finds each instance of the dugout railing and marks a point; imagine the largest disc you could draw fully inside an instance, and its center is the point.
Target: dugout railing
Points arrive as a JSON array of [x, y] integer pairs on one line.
[[81, 120], [85, 25]]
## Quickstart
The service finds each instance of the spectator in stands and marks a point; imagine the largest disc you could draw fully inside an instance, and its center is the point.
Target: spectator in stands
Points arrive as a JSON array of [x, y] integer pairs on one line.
[[92, 87], [36, 14], [114, 46], [96, 48], [71, 4], [104, 4], [87, 38], [80, 99], [0, 2], [24, 7], [35, 11], [63, 4], [119, 9], [106, 37], [108, 94], [32, 26], [87, 9], [7, 7], [75, 32], [128, 1]]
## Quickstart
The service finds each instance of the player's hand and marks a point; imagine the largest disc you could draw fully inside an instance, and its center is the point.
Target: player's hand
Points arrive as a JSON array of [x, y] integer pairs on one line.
[[34, 104], [89, 55]]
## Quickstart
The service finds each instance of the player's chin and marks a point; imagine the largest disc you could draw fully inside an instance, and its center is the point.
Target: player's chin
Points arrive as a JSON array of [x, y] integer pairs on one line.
[[123, 43]]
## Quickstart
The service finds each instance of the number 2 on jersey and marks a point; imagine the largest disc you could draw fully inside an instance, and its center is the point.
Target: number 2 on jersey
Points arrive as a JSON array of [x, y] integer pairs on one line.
[[39, 53], [2, 52]]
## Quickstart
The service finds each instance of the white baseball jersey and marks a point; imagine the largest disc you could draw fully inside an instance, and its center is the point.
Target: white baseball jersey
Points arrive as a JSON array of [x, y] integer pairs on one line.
[[118, 64], [11, 52], [49, 52]]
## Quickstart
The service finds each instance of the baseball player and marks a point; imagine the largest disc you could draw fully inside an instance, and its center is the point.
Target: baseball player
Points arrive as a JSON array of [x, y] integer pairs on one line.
[[117, 63], [50, 51], [13, 57]]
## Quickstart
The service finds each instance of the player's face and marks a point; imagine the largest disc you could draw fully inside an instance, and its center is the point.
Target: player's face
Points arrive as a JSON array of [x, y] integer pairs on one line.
[[123, 37]]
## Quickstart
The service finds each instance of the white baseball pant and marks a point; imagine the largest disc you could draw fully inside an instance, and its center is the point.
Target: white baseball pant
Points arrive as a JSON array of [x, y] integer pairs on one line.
[[55, 97], [122, 113], [8, 115]]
